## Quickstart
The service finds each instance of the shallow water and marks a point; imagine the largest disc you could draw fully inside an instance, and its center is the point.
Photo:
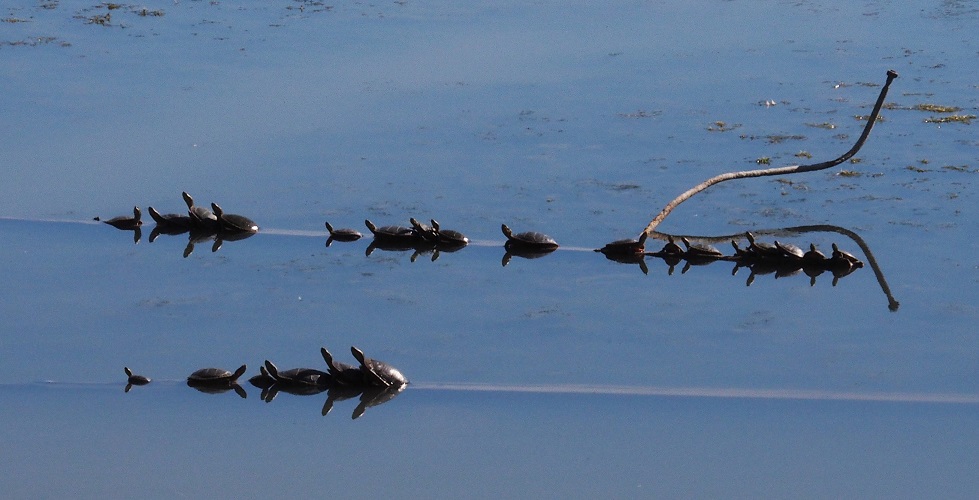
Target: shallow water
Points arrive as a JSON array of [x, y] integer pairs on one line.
[[577, 120]]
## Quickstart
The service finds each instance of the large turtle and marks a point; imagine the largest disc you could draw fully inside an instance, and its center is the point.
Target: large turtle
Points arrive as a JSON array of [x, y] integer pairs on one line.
[[761, 249], [530, 240], [233, 223], [378, 373], [448, 239], [625, 247], [217, 380], [700, 252], [392, 233], [124, 221], [790, 251], [215, 377]]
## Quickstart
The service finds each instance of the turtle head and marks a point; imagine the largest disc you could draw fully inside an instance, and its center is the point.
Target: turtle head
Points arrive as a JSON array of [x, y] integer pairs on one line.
[[435, 225], [239, 372], [506, 231], [329, 227], [136, 213], [642, 238], [129, 373], [217, 210], [370, 225], [358, 355], [187, 199], [272, 370]]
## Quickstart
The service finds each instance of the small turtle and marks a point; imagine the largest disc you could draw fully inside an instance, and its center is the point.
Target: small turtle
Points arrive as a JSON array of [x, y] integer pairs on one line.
[[762, 249], [215, 377], [200, 216], [741, 254], [790, 251], [136, 379], [670, 249], [528, 240], [170, 220], [813, 257], [233, 223], [626, 247], [842, 258], [423, 231], [343, 234], [392, 233], [378, 373], [124, 221], [342, 373], [297, 376], [700, 252], [448, 238]]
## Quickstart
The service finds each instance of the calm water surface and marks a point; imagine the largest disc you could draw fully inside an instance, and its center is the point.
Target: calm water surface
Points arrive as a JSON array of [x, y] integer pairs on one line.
[[569, 375]]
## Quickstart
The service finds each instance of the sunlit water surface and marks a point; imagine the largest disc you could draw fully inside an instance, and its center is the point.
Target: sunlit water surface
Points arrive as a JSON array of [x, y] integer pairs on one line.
[[568, 375]]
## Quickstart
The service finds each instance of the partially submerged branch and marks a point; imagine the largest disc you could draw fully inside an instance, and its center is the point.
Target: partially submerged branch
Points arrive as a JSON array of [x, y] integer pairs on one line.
[[792, 169]]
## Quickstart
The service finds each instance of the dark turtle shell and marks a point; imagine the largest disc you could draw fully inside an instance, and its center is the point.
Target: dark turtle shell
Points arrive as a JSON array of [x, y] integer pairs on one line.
[[392, 233], [625, 247], [215, 376], [343, 234], [136, 379], [233, 223], [700, 251], [448, 237], [789, 251], [529, 239], [201, 216], [124, 221], [378, 373], [297, 376]]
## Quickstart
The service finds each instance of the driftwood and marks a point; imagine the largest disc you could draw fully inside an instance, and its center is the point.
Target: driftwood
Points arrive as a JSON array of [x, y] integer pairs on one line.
[[792, 169]]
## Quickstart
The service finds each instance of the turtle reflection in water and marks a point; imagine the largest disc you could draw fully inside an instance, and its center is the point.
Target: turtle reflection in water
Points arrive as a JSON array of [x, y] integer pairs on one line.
[[217, 380]]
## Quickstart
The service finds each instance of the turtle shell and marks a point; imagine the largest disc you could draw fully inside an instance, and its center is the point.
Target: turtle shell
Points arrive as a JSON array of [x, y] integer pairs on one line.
[[126, 222], [297, 376], [233, 222], [790, 251], [625, 247], [343, 234], [208, 376], [448, 237], [201, 216], [392, 233], [378, 373], [813, 257], [529, 239], [700, 251]]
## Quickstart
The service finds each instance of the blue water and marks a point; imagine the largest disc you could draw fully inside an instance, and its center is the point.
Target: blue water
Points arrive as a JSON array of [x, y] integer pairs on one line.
[[580, 120]]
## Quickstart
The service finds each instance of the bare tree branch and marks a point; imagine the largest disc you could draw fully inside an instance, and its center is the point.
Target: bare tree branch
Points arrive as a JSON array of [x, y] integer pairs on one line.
[[792, 169]]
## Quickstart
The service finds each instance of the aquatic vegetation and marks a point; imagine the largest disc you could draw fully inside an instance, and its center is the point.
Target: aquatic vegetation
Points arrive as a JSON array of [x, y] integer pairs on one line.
[[966, 119]]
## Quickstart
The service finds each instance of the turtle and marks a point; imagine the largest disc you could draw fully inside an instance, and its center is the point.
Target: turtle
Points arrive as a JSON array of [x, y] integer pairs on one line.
[[200, 216], [841, 259], [233, 223], [215, 377], [813, 257], [790, 251], [530, 240], [762, 249], [741, 254], [135, 379], [392, 233], [171, 220], [343, 234], [448, 238], [342, 373], [423, 231], [297, 376], [670, 249], [700, 253], [626, 247], [124, 221], [378, 373]]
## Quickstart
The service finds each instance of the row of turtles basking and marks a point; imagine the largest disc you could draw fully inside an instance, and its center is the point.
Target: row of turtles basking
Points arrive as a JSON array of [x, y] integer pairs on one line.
[[373, 380], [783, 259]]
